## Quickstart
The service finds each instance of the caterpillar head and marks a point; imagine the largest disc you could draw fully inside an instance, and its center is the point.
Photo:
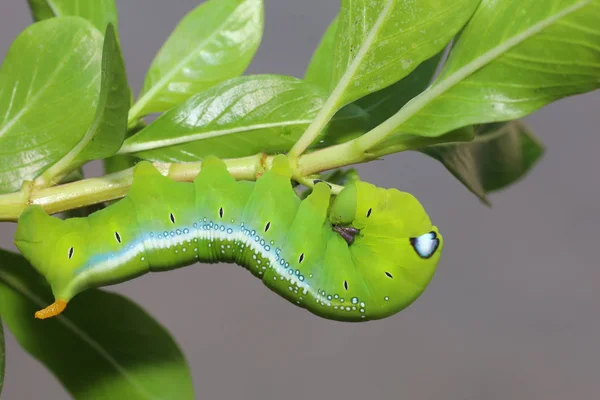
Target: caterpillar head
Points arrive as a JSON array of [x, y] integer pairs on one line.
[[54, 247], [394, 238]]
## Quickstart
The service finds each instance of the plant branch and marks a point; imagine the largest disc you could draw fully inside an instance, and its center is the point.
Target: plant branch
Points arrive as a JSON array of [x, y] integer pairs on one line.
[[91, 191], [113, 186]]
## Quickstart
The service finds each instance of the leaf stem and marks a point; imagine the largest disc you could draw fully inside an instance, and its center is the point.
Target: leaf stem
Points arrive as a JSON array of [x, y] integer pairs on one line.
[[315, 128]]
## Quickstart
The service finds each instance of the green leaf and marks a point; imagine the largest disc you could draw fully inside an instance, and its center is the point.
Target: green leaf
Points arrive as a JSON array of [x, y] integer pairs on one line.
[[383, 104], [2, 356], [49, 85], [214, 42], [500, 155], [103, 346], [513, 57], [107, 131], [239, 117], [98, 12], [379, 43], [379, 106], [119, 163], [320, 67]]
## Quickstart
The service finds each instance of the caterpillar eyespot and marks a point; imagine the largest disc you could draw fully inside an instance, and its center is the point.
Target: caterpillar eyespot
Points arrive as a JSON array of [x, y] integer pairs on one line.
[[346, 256], [425, 245]]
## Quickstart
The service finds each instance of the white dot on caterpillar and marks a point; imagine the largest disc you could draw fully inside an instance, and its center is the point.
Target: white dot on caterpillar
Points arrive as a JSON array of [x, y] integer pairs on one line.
[[195, 249], [143, 258], [184, 249], [386, 298]]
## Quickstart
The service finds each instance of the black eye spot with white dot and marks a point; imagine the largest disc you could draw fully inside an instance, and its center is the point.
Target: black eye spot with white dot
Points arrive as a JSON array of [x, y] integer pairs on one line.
[[426, 244], [369, 212], [389, 275], [301, 258], [221, 212], [172, 218], [118, 237], [346, 285], [267, 226], [71, 251]]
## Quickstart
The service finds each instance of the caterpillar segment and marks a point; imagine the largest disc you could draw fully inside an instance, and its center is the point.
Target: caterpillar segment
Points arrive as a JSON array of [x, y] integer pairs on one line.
[[367, 255]]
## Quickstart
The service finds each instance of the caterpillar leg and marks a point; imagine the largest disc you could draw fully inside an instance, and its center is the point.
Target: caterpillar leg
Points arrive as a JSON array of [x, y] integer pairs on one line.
[[52, 310]]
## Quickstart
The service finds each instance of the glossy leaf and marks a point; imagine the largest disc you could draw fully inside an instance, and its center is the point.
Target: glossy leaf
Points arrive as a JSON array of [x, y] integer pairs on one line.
[[382, 104], [379, 105], [2, 356], [239, 117], [500, 155], [379, 43], [320, 68], [107, 131], [214, 42], [513, 57], [386, 102], [103, 346], [49, 85], [403, 142], [98, 12]]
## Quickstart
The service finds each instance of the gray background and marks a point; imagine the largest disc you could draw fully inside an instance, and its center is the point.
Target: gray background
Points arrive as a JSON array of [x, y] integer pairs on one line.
[[512, 312]]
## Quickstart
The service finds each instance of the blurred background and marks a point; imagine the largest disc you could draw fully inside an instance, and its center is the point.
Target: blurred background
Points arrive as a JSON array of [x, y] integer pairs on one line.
[[512, 313]]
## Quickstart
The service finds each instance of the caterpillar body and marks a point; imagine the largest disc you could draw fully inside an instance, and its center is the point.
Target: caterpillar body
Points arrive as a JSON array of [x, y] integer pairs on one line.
[[365, 255]]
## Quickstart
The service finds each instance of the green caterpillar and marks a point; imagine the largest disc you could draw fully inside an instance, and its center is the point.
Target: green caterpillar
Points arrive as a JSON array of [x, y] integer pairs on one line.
[[367, 255]]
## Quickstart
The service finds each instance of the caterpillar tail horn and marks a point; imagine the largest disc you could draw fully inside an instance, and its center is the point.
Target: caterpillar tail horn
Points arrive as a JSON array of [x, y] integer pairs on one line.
[[52, 310]]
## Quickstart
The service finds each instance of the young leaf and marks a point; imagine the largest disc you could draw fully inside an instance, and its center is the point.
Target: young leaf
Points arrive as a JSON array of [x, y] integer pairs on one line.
[[98, 12], [2, 357], [383, 104], [49, 85], [513, 57], [107, 131], [500, 155], [214, 42], [239, 117], [320, 67], [379, 106], [103, 347], [379, 43]]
